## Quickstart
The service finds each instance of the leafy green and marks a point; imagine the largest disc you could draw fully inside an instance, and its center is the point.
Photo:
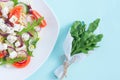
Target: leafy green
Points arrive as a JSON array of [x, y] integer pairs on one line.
[[84, 39], [30, 27], [15, 2]]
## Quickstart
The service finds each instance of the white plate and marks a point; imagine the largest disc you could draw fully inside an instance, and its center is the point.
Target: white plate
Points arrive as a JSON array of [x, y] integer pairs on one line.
[[45, 45]]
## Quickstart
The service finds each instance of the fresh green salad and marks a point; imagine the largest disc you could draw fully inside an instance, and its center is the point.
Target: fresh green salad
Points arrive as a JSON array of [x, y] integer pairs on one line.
[[19, 29]]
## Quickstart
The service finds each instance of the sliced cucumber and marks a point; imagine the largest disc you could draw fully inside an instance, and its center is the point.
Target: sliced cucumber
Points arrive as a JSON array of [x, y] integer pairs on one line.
[[35, 34], [25, 7], [34, 39], [9, 44]]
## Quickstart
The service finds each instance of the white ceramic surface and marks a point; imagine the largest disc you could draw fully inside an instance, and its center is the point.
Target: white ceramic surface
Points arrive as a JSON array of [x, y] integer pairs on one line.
[[44, 47]]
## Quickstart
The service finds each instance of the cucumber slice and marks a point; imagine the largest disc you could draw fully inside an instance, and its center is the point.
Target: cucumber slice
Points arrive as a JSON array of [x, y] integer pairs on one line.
[[34, 34], [25, 7], [34, 39]]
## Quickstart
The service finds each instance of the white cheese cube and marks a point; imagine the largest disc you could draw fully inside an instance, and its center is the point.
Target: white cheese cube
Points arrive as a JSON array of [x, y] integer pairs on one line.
[[5, 12], [3, 27], [11, 38], [18, 27], [2, 21], [3, 47], [10, 30], [25, 36], [13, 55], [17, 44], [13, 19]]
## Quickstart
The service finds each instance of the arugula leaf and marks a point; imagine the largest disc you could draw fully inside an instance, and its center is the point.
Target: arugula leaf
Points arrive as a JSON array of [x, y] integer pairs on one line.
[[77, 26], [84, 39], [30, 27], [15, 2], [93, 26]]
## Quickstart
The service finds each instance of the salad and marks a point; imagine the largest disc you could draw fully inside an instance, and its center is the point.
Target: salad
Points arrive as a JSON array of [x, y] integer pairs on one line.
[[19, 29]]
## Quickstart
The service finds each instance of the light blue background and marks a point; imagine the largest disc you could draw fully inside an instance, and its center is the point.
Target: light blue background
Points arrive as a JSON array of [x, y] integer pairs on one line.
[[104, 63]]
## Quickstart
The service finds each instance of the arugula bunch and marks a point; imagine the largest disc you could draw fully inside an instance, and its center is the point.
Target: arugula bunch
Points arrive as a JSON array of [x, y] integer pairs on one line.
[[84, 39]]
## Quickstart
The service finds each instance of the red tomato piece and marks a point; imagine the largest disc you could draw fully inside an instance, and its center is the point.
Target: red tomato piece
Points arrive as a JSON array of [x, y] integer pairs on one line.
[[16, 11], [22, 64], [3, 54], [37, 16]]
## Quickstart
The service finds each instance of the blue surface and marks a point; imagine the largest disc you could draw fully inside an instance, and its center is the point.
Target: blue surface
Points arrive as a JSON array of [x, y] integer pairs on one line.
[[104, 63]]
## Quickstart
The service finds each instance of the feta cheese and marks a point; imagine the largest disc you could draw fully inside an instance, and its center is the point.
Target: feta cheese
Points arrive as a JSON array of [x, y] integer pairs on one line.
[[17, 44], [3, 47], [3, 27], [11, 38], [10, 30], [13, 54], [25, 36], [13, 19], [5, 12], [18, 27], [1, 21], [31, 47]]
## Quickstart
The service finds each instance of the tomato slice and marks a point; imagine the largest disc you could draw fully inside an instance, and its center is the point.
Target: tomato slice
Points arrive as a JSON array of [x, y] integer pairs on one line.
[[37, 16], [16, 11], [3, 54], [22, 64]]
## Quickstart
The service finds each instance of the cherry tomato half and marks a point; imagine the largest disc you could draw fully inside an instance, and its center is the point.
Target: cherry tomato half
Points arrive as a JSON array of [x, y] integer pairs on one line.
[[22, 64], [3, 54], [37, 16], [16, 11]]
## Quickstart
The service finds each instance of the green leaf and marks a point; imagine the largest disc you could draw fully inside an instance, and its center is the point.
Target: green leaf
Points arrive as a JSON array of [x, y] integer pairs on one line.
[[15, 2], [93, 26], [77, 29], [99, 37]]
